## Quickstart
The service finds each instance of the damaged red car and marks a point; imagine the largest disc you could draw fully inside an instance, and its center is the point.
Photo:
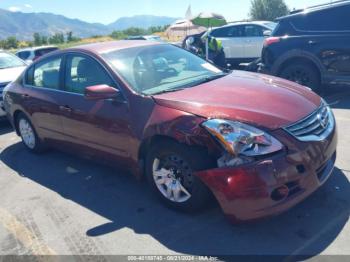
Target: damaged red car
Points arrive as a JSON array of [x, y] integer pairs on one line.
[[259, 144]]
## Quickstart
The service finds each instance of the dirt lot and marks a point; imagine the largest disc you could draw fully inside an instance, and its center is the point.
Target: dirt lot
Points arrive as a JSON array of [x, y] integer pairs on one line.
[[61, 204]]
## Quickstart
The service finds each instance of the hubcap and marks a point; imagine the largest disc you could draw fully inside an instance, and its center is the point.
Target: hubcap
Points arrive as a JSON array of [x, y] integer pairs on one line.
[[173, 178], [27, 133]]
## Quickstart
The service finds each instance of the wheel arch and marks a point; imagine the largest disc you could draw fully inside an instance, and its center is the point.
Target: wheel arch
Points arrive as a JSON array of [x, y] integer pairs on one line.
[[301, 59], [149, 142], [298, 56], [16, 113]]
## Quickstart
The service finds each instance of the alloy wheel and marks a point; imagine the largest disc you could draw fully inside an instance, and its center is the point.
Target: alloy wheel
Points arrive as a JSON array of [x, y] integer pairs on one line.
[[299, 76], [27, 133]]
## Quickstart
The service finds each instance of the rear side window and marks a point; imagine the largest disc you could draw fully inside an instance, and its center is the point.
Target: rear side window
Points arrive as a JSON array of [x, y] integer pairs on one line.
[[45, 74], [253, 31], [229, 31], [332, 19], [284, 28]]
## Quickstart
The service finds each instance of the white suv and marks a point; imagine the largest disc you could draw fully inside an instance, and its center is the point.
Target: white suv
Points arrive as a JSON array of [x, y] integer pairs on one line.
[[243, 41]]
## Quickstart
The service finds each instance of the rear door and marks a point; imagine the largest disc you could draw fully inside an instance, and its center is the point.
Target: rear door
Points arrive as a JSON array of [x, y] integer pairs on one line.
[[253, 40], [101, 125], [43, 95], [232, 39]]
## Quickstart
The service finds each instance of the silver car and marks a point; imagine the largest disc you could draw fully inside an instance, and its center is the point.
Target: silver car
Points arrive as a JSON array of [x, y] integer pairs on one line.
[[10, 68]]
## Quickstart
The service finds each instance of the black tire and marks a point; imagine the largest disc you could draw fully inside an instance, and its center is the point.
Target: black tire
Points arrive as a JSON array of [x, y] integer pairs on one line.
[[304, 74], [195, 159], [39, 146]]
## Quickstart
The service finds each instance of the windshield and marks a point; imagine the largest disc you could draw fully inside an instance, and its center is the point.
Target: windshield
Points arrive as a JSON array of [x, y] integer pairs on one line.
[[9, 60], [160, 68]]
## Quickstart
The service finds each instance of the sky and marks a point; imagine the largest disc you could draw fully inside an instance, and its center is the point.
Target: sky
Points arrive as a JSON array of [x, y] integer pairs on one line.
[[107, 11]]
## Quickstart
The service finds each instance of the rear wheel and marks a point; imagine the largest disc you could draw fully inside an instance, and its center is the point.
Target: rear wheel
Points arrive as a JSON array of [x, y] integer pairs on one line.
[[28, 134], [304, 74], [170, 171]]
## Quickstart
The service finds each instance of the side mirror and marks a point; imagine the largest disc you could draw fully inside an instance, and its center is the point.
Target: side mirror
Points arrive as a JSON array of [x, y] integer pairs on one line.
[[101, 92], [267, 33]]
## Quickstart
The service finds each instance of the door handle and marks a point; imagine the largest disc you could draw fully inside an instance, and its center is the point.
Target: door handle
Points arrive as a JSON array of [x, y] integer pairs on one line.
[[25, 96], [311, 42], [66, 109]]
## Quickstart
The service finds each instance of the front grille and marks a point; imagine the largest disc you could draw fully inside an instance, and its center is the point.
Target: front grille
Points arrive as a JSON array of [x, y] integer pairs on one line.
[[315, 127]]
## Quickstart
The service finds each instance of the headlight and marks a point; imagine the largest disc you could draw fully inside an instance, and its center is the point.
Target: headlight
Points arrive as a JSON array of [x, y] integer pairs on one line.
[[241, 139]]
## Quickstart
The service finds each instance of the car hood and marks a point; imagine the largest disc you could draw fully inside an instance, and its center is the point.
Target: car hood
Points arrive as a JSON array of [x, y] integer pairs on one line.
[[10, 74], [257, 99]]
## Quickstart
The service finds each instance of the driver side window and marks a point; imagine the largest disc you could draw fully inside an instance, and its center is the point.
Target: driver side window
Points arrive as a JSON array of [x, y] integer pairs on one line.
[[82, 72]]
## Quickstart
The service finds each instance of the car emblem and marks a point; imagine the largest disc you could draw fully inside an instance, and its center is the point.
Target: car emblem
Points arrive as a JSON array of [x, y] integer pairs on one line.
[[322, 121]]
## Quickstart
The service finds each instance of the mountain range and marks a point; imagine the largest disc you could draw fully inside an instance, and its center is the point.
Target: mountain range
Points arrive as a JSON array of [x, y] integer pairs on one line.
[[24, 25]]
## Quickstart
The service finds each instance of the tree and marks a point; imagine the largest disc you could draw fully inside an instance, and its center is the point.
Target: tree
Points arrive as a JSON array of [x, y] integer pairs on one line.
[[268, 9], [70, 36], [118, 35], [9, 43], [57, 38], [44, 40], [135, 31], [37, 39]]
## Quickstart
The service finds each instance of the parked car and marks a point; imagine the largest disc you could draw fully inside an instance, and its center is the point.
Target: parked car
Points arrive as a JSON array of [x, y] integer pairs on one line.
[[191, 129], [31, 54], [243, 41], [10, 68], [311, 46], [193, 40], [156, 38]]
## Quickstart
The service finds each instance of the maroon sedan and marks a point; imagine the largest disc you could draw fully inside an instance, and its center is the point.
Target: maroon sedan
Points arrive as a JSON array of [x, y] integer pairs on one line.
[[259, 144]]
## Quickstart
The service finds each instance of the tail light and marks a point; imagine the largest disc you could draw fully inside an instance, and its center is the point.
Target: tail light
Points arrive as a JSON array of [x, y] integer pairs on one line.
[[271, 40]]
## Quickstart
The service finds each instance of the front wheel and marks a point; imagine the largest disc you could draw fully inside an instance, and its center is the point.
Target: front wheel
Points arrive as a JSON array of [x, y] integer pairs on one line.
[[170, 171], [304, 74], [28, 134]]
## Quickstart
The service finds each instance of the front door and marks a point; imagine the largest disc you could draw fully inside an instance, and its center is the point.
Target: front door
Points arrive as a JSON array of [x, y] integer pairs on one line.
[[101, 125], [253, 40], [232, 40]]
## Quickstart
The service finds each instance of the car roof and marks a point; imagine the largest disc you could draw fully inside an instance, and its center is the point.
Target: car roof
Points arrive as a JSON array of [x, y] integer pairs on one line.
[[316, 8], [36, 48], [245, 23], [104, 47]]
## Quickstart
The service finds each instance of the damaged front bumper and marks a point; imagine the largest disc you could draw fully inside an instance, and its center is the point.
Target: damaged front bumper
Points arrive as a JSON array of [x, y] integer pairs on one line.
[[272, 186]]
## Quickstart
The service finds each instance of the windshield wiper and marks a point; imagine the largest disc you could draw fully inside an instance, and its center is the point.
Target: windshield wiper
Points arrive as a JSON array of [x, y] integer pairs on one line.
[[208, 79], [167, 91]]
